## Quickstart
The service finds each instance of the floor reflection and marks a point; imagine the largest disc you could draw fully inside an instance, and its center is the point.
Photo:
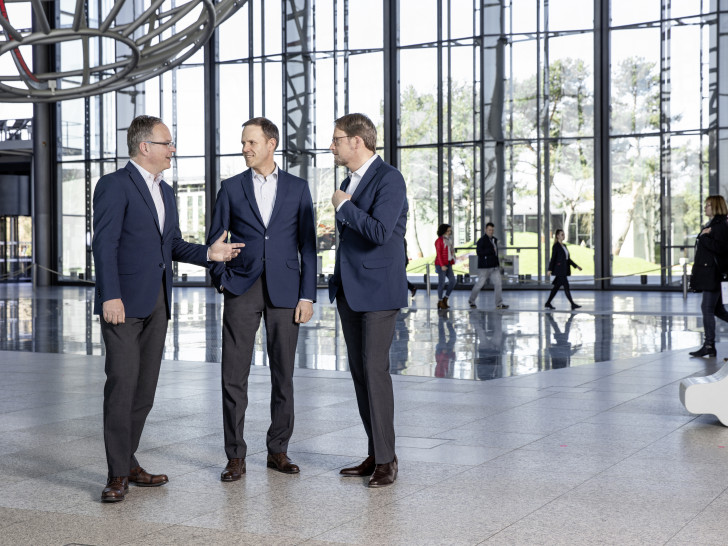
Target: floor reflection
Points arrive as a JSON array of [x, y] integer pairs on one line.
[[461, 343]]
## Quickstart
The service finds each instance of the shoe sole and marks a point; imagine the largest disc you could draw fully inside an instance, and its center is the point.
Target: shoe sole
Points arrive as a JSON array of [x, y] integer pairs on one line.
[[231, 478], [112, 499], [274, 467], [376, 486], [148, 484]]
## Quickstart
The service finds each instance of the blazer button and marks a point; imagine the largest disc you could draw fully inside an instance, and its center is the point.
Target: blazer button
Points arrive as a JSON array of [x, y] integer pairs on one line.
[[266, 237]]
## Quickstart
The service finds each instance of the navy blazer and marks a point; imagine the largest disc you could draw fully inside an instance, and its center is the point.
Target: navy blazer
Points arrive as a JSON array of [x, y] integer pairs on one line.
[[370, 265], [130, 253], [291, 231], [487, 254], [559, 265]]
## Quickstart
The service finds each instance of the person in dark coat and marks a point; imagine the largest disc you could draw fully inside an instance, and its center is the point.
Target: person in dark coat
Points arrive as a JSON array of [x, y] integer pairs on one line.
[[560, 265], [711, 262]]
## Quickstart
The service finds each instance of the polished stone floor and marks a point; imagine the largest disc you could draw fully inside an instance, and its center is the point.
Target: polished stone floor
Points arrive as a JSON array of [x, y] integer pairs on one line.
[[594, 449], [460, 343]]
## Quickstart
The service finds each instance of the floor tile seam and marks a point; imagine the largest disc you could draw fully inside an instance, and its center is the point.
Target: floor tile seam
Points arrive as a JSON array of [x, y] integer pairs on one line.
[[382, 506], [697, 515], [132, 540]]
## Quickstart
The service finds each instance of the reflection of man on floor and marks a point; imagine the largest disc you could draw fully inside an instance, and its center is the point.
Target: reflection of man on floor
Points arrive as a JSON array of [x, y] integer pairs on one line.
[[399, 351], [445, 348], [562, 350], [488, 328]]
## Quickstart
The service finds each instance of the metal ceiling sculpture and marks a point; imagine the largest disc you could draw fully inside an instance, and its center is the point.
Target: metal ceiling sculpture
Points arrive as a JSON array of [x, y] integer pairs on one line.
[[163, 36]]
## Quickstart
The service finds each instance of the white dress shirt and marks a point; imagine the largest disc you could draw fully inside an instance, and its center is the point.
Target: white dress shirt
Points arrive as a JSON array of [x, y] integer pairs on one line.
[[153, 183], [265, 188], [355, 178]]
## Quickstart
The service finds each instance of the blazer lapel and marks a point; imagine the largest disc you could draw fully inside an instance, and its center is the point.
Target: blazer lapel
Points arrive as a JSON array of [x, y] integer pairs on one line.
[[141, 185], [345, 183], [169, 202], [249, 191], [371, 171], [281, 191]]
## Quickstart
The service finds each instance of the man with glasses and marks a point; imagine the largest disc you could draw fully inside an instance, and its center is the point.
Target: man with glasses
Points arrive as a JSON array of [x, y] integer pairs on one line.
[[136, 237], [369, 283], [271, 211]]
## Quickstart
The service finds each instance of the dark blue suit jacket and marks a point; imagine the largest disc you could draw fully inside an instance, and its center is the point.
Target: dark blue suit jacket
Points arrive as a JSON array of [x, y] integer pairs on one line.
[[487, 255], [291, 231], [130, 254], [370, 265]]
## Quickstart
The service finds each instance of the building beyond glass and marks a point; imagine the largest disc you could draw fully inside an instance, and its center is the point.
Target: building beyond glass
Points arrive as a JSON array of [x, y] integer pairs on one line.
[[606, 119]]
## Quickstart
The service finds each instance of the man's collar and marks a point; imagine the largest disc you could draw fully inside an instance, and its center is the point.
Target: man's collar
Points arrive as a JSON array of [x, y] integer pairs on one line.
[[275, 172], [146, 174], [363, 169]]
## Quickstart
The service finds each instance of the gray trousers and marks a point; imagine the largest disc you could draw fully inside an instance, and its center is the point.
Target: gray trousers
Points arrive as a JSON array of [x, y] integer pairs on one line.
[[492, 273], [133, 358], [368, 337], [241, 319]]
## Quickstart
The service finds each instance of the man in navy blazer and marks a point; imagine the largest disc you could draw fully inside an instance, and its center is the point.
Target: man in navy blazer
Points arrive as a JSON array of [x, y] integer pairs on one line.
[[271, 211], [136, 237], [369, 282]]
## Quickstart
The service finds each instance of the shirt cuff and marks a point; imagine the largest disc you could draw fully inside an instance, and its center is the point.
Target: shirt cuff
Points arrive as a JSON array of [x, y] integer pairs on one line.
[[304, 299], [341, 205], [208, 254]]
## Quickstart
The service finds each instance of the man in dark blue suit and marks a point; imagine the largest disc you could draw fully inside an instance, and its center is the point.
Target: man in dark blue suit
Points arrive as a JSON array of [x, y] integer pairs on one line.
[[271, 211], [136, 237], [369, 282]]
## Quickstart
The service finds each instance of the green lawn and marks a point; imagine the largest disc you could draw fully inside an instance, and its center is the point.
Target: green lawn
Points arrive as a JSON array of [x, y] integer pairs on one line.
[[528, 263], [528, 259]]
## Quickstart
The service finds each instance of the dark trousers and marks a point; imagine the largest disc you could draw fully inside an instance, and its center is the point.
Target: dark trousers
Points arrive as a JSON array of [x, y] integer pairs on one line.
[[133, 358], [712, 306], [368, 337], [561, 281], [241, 319]]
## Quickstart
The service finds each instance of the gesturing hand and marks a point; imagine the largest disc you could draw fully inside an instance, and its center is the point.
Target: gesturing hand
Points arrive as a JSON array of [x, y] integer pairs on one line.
[[338, 197], [220, 251]]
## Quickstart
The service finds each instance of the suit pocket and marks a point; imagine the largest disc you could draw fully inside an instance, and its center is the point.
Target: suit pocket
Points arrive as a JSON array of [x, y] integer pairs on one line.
[[376, 264], [292, 264]]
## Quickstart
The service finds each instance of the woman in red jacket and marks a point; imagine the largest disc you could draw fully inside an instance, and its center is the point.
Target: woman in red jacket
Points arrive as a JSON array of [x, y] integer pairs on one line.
[[443, 264]]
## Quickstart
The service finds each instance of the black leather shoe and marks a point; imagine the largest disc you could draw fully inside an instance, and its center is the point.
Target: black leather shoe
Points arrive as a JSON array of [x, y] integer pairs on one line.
[[281, 463], [233, 471], [139, 476], [364, 469], [575, 306], [549, 306], [384, 474], [705, 350], [115, 489]]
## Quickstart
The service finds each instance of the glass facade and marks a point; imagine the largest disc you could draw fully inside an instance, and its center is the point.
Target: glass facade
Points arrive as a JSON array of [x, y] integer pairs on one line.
[[605, 119]]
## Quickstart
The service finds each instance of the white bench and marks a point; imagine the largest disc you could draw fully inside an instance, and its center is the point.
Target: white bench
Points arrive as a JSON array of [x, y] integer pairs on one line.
[[707, 394]]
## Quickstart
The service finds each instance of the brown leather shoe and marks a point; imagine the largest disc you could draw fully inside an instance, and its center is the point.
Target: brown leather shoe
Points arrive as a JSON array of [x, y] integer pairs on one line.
[[281, 463], [364, 469], [139, 476], [233, 471], [115, 489], [384, 474]]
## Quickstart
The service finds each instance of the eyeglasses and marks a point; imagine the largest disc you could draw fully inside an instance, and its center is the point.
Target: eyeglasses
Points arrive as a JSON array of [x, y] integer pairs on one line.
[[167, 144], [335, 140]]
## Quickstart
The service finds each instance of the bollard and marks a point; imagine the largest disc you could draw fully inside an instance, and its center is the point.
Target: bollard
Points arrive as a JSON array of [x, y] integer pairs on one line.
[[685, 281], [427, 280]]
